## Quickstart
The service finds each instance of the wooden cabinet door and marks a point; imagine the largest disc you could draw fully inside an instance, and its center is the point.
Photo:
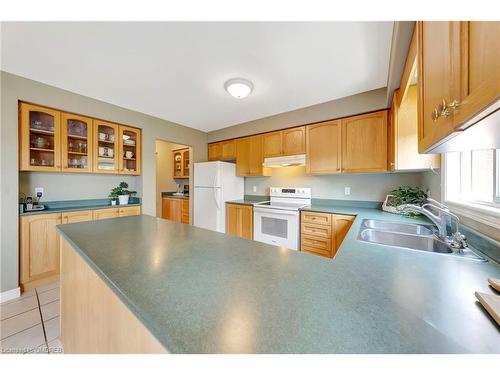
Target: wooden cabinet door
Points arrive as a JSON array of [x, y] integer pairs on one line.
[[106, 147], [129, 211], [214, 151], [77, 216], [172, 209], [439, 77], [39, 138], [294, 141], [239, 221], [341, 225], [364, 143], [105, 213], [272, 144], [256, 156], [228, 150], [129, 159], [185, 211], [480, 70], [243, 156], [39, 246], [323, 148], [76, 143]]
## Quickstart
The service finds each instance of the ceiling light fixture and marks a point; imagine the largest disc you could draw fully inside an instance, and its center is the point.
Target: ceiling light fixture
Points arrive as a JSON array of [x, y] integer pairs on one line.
[[238, 87]]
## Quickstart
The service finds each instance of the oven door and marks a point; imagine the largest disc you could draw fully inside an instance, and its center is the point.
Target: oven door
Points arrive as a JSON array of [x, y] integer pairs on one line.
[[276, 227]]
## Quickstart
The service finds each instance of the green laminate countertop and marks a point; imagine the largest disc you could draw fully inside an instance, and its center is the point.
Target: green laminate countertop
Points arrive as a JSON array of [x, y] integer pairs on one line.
[[79, 205], [250, 200], [200, 291]]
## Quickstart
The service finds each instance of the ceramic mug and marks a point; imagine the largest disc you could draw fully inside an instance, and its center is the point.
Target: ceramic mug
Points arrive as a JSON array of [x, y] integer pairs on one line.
[[102, 136], [129, 154]]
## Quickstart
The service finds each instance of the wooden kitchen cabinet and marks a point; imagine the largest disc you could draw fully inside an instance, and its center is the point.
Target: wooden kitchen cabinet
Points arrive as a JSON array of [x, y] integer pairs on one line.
[[239, 220], [130, 144], [459, 77], [323, 148], [106, 141], [129, 211], [39, 249], [77, 216], [76, 143], [225, 150], [294, 141], [272, 144], [39, 138], [249, 157], [180, 159], [105, 213], [175, 209], [214, 151], [364, 143], [323, 233]]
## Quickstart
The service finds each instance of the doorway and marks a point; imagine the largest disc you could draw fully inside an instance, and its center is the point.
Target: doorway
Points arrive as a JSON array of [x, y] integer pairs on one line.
[[173, 175]]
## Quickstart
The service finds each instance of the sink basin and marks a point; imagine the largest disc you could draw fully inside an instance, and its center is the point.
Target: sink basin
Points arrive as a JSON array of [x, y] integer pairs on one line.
[[390, 226], [408, 241], [409, 236]]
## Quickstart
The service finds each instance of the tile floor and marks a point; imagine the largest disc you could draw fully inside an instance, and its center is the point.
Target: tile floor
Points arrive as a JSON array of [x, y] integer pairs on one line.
[[30, 323]]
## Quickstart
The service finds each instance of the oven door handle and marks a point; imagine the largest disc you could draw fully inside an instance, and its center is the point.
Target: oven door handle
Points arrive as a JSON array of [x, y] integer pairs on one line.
[[274, 211]]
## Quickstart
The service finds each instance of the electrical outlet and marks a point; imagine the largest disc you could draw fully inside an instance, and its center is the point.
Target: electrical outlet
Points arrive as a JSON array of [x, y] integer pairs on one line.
[[254, 189], [39, 192], [347, 190]]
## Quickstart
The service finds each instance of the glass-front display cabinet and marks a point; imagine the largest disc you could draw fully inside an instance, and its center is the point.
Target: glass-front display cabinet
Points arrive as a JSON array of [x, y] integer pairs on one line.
[[39, 138], [181, 163], [77, 143], [185, 163], [106, 147], [130, 150]]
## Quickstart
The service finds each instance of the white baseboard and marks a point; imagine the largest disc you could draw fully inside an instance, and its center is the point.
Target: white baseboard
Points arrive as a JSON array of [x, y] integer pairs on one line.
[[10, 294]]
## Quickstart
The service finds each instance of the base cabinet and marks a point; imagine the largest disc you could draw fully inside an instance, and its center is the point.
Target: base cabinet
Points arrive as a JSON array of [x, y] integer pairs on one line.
[[175, 209], [322, 233], [39, 241], [239, 221]]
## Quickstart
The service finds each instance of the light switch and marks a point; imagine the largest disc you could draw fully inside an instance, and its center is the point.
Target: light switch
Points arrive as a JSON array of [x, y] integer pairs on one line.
[[347, 190], [254, 189]]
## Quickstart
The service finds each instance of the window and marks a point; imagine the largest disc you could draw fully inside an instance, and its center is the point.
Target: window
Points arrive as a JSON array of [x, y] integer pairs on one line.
[[473, 178]]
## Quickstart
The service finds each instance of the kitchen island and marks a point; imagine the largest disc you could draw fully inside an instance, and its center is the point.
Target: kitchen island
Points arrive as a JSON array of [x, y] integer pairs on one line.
[[192, 290]]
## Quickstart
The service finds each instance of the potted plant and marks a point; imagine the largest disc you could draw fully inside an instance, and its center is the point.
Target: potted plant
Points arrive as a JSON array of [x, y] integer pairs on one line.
[[121, 192], [404, 195]]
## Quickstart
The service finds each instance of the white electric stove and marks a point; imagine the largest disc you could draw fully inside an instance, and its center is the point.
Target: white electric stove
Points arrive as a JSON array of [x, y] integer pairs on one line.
[[277, 222]]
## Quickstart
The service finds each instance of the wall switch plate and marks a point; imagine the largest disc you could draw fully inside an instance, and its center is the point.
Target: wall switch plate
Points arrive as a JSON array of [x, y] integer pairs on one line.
[[347, 190], [39, 192], [254, 188]]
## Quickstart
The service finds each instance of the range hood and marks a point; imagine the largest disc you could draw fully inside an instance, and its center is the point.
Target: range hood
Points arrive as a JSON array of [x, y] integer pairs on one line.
[[285, 161]]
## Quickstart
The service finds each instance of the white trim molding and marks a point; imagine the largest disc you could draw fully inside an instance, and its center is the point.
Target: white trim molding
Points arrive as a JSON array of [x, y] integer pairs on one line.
[[10, 295]]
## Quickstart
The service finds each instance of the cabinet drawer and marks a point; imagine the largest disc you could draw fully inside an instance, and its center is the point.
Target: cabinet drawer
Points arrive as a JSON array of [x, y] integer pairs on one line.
[[316, 245], [129, 211], [324, 231], [316, 218]]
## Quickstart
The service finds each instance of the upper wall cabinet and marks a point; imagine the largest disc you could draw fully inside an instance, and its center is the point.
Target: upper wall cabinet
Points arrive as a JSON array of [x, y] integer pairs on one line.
[[285, 142], [39, 138], [225, 150], [77, 143], [106, 137], [54, 141], [459, 77], [129, 161], [323, 148], [364, 143], [181, 163], [249, 157]]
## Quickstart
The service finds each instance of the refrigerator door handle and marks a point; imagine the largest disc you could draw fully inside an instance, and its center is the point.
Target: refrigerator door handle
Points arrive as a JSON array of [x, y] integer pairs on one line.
[[215, 190]]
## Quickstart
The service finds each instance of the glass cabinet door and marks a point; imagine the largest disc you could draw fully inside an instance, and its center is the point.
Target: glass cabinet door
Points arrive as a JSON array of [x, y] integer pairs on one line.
[[76, 145], [130, 150], [178, 165], [105, 147], [40, 138], [185, 163]]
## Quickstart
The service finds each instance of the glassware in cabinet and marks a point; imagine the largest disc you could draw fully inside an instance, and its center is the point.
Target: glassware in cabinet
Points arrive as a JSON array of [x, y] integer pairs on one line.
[[130, 150], [106, 147], [77, 143], [39, 138]]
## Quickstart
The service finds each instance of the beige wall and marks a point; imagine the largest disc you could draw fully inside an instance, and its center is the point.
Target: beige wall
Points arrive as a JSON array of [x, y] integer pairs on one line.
[[368, 187], [14, 88], [348, 106], [164, 171]]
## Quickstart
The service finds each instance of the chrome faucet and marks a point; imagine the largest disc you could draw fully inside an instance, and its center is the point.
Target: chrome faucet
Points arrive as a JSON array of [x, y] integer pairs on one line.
[[457, 240]]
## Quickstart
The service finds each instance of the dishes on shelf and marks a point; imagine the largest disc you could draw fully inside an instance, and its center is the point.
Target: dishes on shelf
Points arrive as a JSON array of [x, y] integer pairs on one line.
[[106, 151], [106, 137], [129, 142]]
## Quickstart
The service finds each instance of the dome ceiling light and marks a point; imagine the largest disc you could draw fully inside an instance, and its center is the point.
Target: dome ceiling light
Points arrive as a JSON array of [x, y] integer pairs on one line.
[[239, 87]]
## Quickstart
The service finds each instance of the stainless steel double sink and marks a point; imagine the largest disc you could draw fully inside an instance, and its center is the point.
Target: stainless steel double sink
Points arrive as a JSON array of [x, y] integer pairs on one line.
[[409, 236]]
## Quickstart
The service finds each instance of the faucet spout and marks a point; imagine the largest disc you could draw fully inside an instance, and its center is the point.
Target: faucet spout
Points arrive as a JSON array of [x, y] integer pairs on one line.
[[439, 221]]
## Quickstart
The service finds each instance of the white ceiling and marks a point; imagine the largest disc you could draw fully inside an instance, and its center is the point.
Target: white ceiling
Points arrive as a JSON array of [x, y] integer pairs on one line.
[[176, 71]]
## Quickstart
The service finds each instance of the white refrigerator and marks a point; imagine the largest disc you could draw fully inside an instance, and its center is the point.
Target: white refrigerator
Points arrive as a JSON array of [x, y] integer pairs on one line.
[[215, 182]]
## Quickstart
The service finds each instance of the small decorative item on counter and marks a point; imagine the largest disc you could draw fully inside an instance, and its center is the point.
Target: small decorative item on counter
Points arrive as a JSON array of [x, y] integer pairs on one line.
[[121, 192], [404, 195]]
